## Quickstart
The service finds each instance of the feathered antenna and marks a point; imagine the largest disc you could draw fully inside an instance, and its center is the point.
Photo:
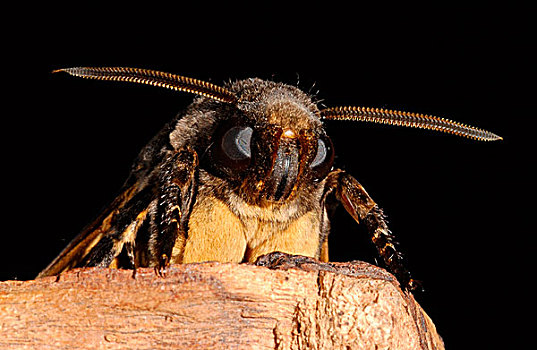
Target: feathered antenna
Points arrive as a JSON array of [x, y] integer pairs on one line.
[[413, 120], [154, 78]]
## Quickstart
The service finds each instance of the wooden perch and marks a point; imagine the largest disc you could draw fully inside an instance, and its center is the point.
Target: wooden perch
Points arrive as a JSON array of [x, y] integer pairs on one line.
[[296, 304]]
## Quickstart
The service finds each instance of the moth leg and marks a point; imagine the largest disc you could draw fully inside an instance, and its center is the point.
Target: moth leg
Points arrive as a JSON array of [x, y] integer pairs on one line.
[[129, 248], [177, 188], [362, 208], [107, 249]]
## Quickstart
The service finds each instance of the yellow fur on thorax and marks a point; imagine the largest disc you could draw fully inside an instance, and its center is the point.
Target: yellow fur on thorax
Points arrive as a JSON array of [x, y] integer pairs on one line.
[[216, 234]]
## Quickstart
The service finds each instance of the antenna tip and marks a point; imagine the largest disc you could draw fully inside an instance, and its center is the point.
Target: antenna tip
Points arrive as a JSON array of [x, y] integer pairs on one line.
[[494, 137]]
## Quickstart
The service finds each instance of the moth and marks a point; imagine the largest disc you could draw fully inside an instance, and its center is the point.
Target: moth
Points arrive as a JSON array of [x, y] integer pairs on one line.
[[245, 170]]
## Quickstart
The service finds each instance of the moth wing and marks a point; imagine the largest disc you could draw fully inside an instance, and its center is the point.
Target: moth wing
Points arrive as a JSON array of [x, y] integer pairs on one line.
[[100, 242]]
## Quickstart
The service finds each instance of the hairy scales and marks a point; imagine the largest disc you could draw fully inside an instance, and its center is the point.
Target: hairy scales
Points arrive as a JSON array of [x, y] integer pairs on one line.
[[245, 170], [248, 231]]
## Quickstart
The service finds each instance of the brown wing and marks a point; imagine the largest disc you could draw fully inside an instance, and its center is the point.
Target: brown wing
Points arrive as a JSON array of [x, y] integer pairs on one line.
[[101, 241], [168, 189]]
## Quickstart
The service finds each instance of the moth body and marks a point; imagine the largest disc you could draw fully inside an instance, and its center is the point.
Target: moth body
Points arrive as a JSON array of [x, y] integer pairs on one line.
[[245, 170]]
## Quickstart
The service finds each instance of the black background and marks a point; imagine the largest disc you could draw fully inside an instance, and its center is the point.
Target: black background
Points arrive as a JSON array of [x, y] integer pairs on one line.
[[461, 209]]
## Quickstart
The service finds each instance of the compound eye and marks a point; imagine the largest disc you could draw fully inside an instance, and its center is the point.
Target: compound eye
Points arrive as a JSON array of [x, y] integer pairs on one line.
[[322, 163], [236, 143], [321, 154]]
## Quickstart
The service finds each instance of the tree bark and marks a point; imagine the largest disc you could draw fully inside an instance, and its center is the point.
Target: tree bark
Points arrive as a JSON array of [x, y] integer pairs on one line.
[[294, 304]]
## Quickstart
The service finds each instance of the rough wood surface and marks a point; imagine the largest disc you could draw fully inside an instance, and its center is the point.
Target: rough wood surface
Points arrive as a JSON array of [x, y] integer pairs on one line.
[[291, 305]]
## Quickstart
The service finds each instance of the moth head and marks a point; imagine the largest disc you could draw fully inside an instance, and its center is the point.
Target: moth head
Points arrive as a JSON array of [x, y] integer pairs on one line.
[[272, 140], [273, 145]]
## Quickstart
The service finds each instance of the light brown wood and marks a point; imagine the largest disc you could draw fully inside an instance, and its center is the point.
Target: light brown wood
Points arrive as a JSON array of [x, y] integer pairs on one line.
[[293, 305]]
